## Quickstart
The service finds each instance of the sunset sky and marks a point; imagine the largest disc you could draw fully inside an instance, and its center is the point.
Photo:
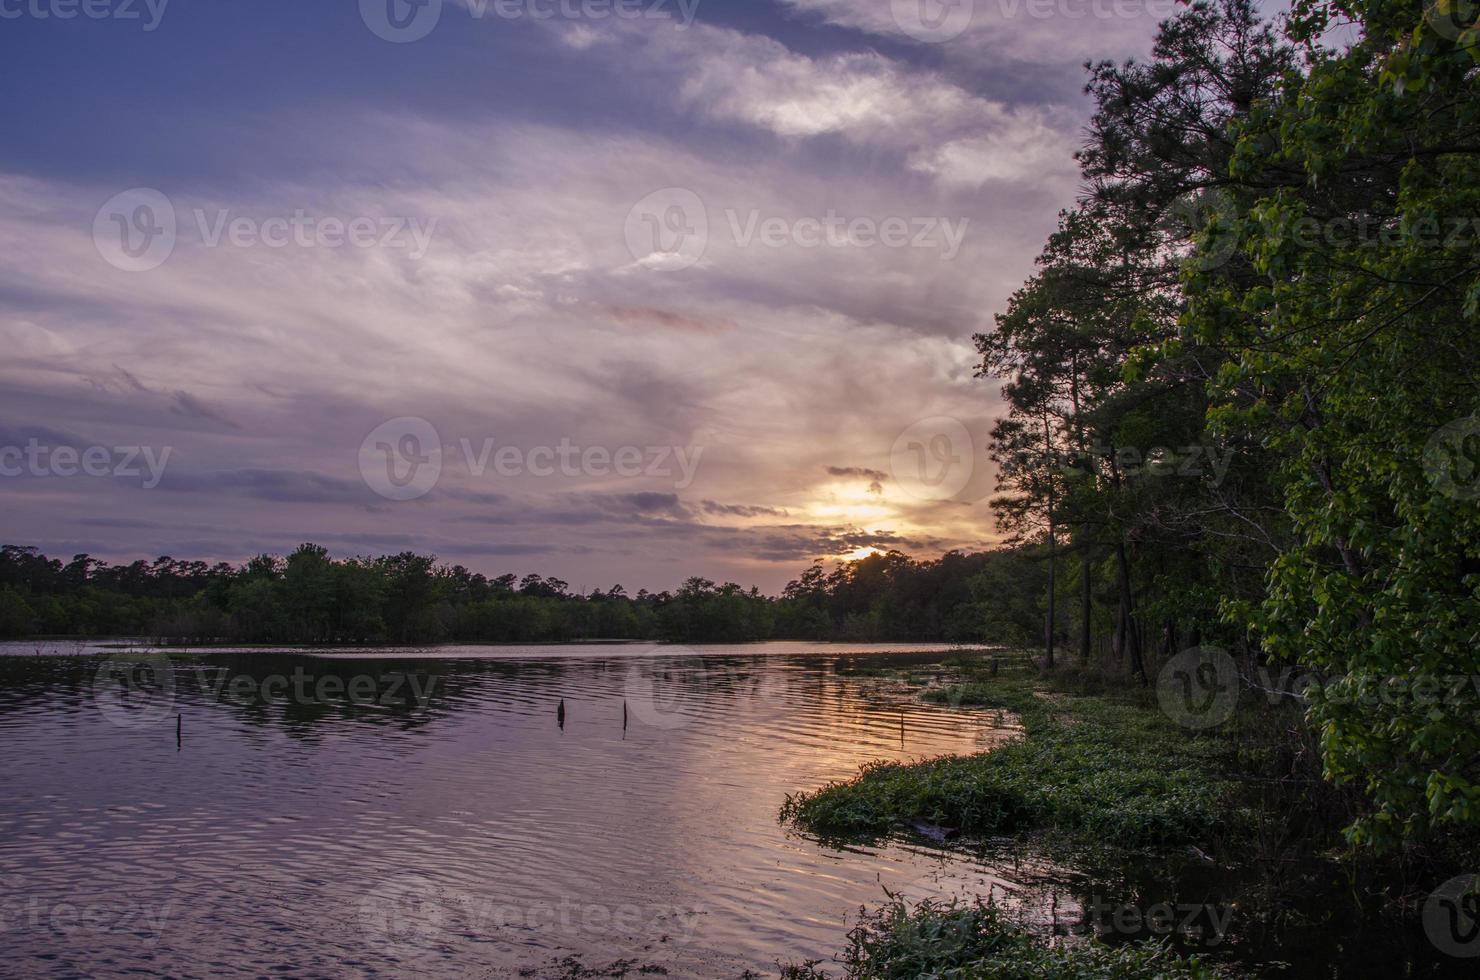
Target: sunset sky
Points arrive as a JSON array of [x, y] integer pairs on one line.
[[708, 275]]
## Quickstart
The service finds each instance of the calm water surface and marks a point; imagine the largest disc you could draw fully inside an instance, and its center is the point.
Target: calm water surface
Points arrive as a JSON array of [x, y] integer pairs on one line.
[[433, 813], [385, 812]]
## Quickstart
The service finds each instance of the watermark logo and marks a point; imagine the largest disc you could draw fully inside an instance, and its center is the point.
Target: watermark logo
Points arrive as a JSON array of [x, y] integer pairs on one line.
[[668, 230], [934, 888], [135, 230], [1202, 923], [933, 21], [1199, 688], [81, 921], [1451, 917], [38, 459], [833, 230], [569, 460], [402, 459], [396, 689], [1454, 19], [671, 687], [303, 230], [135, 690], [1193, 461], [406, 916], [413, 916], [148, 12], [1208, 217], [667, 693], [1452, 459], [401, 21], [933, 459]]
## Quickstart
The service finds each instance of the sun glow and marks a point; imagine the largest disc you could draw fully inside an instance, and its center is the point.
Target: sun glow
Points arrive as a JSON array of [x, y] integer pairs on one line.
[[859, 554], [851, 513]]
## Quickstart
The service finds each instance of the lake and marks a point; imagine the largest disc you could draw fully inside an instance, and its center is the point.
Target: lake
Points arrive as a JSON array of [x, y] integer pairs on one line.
[[543, 811], [383, 812]]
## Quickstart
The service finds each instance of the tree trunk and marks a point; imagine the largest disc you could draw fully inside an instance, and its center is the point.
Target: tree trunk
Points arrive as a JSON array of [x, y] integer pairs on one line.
[[1117, 636], [1086, 608], [1052, 544], [1128, 611], [1052, 592]]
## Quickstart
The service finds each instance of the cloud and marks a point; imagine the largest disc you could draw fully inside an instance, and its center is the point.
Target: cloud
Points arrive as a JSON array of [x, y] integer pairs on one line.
[[665, 319], [865, 97], [1062, 32], [875, 478], [278, 486], [532, 319], [186, 404], [741, 510]]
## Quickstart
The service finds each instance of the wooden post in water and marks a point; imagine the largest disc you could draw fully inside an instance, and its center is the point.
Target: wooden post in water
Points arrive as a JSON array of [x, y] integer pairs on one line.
[[179, 721], [560, 715]]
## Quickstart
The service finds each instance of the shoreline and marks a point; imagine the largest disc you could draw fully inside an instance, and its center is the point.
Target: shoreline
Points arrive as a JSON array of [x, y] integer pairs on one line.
[[1103, 780]]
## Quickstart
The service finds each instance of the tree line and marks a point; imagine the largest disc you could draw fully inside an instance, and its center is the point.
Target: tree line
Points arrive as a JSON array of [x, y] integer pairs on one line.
[[1241, 384], [310, 598]]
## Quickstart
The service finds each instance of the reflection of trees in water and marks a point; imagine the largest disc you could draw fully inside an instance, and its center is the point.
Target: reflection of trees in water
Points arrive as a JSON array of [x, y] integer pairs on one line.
[[308, 694], [301, 694]]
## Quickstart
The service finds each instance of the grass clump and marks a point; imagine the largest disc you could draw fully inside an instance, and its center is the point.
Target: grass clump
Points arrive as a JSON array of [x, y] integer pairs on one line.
[[1098, 765], [976, 942]]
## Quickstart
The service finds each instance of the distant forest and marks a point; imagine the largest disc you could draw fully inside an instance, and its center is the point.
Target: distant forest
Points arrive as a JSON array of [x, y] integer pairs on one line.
[[310, 598]]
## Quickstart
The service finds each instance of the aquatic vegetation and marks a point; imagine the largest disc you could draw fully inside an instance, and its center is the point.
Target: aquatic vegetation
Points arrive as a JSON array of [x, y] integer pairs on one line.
[[977, 942], [1116, 771]]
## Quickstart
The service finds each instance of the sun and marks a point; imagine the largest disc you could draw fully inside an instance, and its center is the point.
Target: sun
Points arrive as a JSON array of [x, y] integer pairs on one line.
[[858, 554]]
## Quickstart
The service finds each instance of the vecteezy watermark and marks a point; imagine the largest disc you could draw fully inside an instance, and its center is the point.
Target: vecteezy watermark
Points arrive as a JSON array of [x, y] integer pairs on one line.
[[412, 916], [936, 887], [672, 687], [1206, 216], [403, 21], [670, 230], [394, 689], [135, 689], [933, 21], [1202, 688], [1452, 232], [1202, 923], [833, 230], [1457, 20], [80, 920], [938, 21], [139, 229], [38, 459], [403, 459], [1199, 688], [135, 230], [569, 460], [1453, 693], [140, 689], [1451, 917], [1188, 461], [934, 458], [147, 13], [1452, 459], [302, 230]]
